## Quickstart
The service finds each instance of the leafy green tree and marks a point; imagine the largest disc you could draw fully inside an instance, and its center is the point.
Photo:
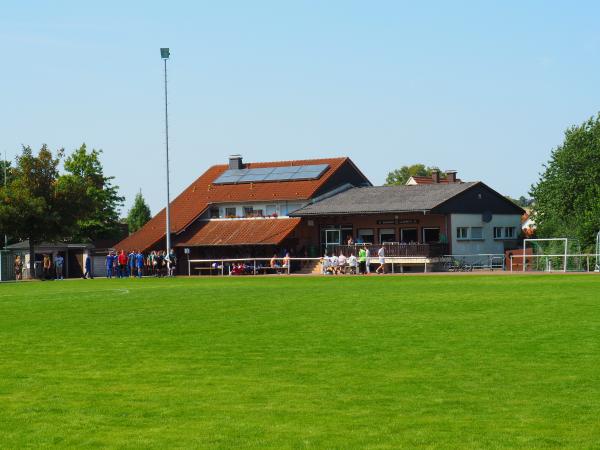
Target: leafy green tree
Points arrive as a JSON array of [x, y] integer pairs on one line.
[[522, 201], [400, 176], [567, 195], [101, 220], [37, 203], [139, 213]]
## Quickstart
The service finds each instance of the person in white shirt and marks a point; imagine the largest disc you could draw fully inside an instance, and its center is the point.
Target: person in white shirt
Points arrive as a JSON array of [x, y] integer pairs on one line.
[[342, 263], [335, 264], [381, 255], [58, 264], [325, 263], [352, 263], [368, 260]]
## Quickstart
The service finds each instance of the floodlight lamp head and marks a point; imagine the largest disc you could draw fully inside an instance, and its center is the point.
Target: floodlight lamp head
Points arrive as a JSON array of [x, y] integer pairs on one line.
[[164, 53]]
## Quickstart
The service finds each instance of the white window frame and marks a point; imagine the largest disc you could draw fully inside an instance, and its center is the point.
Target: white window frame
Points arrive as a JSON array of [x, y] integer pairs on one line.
[[501, 234], [466, 234], [230, 208]]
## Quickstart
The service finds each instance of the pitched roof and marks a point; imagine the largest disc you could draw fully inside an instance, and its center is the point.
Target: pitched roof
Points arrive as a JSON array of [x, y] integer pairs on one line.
[[382, 199], [239, 232], [196, 198]]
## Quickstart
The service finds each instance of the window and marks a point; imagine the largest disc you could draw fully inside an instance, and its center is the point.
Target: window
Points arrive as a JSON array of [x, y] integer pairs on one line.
[[461, 233], [230, 212], [431, 235], [258, 213], [214, 213], [477, 233], [291, 207], [387, 235], [497, 232], [248, 211], [271, 210], [509, 232], [366, 236], [409, 235]]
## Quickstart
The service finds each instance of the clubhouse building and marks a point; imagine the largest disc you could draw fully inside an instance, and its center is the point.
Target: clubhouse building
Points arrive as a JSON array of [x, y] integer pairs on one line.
[[309, 207]]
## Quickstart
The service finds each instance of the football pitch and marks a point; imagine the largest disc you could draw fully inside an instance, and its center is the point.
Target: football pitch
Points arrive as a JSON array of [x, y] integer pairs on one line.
[[476, 361]]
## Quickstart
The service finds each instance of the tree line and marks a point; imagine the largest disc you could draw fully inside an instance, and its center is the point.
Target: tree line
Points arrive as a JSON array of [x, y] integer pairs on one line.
[[41, 203]]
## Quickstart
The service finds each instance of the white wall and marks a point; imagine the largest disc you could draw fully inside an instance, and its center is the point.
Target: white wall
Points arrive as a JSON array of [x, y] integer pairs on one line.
[[488, 244]]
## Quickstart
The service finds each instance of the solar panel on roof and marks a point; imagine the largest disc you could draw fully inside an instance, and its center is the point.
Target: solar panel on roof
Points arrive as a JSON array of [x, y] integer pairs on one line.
[[286, 169], [283, 173]]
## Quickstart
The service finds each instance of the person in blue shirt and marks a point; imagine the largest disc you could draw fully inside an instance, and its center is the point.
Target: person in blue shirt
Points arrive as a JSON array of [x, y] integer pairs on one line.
[[110, 260], [140, 264], [131, 264], [88, 268]]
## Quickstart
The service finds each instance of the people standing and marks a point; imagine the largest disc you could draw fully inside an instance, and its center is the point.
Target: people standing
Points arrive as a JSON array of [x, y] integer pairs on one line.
[[18, 267], [368, 259], [58, 265], [362, 257], [131, 264], [110, 260], [381, 256], [122, 260], [88, 268], [47, 266], [172, 263], [139, 257]]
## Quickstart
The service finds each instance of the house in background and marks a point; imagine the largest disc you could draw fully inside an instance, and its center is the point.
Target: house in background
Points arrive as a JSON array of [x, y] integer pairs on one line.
[[308, 207], [243, 209], [434, 178], [426, 221]]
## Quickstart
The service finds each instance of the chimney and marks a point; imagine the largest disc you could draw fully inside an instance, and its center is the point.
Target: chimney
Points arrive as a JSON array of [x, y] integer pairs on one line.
[[235, 162], [435, 176], [451, 176]]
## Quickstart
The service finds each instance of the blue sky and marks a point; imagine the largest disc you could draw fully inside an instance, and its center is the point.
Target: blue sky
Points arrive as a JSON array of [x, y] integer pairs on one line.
[[486, 88]]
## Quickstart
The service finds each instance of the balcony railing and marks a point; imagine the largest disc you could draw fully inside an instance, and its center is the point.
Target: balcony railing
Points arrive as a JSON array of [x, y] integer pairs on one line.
[[394, 250]]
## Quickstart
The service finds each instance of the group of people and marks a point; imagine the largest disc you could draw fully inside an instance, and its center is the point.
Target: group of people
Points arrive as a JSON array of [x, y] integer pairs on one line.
[[335, 265], [52, 267], [136, 264]]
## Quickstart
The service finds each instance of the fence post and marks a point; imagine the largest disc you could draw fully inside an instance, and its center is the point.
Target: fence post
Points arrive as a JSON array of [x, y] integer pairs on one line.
[[222, 268], [189, 267]]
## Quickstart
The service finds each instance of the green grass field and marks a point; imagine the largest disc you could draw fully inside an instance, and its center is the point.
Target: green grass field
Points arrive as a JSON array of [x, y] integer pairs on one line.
[[302, 362]]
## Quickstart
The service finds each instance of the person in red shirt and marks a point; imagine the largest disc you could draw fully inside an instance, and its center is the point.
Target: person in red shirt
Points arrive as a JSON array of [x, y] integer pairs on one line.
[[122, 260]]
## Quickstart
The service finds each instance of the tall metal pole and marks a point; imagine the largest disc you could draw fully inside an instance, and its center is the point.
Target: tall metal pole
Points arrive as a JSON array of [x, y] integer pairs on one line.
[[165, 55], [4, 164]]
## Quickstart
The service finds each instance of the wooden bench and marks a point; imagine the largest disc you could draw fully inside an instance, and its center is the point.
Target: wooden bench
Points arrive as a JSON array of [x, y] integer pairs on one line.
[[208, 269]]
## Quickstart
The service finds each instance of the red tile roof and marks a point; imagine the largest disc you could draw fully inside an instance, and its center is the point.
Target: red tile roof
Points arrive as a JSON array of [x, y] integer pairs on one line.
[[196, 198], [239, 232]]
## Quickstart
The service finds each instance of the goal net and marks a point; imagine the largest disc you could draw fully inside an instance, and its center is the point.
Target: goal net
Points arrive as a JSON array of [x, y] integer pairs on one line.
[[553, 255]]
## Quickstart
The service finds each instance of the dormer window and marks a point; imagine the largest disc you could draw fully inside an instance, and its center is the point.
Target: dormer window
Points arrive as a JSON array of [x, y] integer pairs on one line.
[[214, 213]]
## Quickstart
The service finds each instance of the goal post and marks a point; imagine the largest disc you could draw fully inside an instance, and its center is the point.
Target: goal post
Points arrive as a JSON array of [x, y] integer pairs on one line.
[[564, 253]]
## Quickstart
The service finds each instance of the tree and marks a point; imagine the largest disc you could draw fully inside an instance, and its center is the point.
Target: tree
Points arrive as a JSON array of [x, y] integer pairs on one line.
[[522, 201], [139, 213], [102, 216], [400, 176], [37, 203], [567, 195]]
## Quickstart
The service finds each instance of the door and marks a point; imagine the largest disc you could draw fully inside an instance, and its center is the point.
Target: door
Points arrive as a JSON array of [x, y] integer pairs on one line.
[[332, 238]]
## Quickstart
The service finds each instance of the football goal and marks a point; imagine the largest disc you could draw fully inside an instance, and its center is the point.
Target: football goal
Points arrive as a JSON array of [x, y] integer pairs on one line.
[[554, 255]]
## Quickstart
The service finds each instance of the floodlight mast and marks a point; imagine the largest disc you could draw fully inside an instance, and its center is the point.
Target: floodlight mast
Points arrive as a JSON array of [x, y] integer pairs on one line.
[[164, 54]]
